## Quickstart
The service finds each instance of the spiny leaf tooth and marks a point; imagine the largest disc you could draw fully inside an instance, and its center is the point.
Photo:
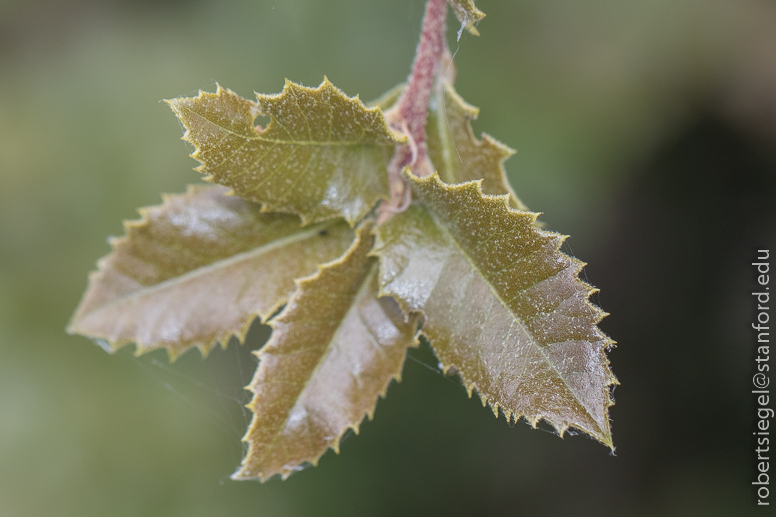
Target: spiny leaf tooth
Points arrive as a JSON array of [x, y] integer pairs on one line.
[[140, 275], [457, 153], [303, 162], [293, 421], [497, 199], [468, 14], [469, 387], [433, 178], [511, 417], [205, 349], [510, 279], [497, 145]]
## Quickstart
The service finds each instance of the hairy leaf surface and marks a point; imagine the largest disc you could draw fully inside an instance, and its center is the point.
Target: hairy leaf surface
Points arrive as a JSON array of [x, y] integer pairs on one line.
[[467, 14], [333, 351], [503, 305], [457, 154], [198, 269], [323, 154]]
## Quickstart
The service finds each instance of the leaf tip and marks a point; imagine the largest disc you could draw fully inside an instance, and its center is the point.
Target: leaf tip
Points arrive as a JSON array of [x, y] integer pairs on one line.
[[70, 328], [105, 345], [606, 439], [243, 474]]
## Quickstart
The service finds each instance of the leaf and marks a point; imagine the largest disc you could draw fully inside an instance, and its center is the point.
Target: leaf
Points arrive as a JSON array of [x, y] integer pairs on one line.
[[334, 350], [467, 14], [198, 269], [323, 154], [456, 152], [503, 305]]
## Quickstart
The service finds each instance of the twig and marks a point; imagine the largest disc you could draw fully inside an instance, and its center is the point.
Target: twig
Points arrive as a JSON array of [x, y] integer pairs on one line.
[[409, 113]]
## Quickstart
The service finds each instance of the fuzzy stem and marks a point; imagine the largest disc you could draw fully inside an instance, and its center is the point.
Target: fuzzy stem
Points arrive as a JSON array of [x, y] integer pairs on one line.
[[409, 113], [412, 106]]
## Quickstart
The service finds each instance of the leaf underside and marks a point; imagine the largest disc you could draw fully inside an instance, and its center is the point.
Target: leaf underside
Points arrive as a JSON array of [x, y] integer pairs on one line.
[[334, 350], [198, 269], [503, 305], [323, 154], [467, 14]]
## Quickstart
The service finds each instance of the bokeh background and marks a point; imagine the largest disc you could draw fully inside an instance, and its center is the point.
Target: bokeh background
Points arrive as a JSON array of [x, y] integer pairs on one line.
[[646, 130]]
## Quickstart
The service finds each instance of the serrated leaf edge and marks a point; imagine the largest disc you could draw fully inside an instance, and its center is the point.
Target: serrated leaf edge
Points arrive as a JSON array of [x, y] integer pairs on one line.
[[468, 14], [256, 111], [503, 199], [365, 228], [471, 112], [172, 355]]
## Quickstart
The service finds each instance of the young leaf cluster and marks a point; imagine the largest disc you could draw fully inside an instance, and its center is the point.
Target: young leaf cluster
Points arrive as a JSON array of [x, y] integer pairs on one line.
[[301, 218]]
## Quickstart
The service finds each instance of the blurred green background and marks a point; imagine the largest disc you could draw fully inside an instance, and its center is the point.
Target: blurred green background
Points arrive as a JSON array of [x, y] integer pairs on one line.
[[644, 129]]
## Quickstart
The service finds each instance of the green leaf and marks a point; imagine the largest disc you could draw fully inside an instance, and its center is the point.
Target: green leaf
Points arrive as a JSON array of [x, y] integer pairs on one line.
[[503, 305], [198, 269], [457, 154], [323, 155], [467, 14], [334, 350]]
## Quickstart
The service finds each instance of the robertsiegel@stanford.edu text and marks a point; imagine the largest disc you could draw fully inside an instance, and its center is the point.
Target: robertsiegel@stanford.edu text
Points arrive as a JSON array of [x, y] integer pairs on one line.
[[761, 378]]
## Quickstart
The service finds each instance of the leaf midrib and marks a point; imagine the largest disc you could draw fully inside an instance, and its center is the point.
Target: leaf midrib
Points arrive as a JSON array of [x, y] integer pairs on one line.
[[509, 310], [324, 355], [324, 143], [213, 266]]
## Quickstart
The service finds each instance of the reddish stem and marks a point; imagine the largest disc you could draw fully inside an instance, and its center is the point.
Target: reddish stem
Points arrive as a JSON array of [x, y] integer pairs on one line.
[[412, 106], [409, 113]]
